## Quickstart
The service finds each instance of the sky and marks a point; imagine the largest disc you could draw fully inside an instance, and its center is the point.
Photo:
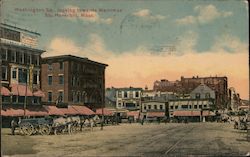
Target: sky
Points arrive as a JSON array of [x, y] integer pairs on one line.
[[143, 40]]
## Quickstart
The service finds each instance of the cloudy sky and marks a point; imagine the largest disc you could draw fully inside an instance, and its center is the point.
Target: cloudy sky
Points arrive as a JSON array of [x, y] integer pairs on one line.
[[143, 41]]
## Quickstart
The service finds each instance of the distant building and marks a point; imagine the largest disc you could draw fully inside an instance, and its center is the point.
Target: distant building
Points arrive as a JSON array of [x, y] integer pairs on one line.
[[154, 108], [21, 65], [73, 80], [234, 99], [184, 86], [110, 97], [128, 98], [202, 92], [191, 109]]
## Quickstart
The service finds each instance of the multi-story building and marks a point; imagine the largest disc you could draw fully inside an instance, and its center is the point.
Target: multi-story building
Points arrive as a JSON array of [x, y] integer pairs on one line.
[[128, 98], [154, 108], [192, 109], [73, 80], [21, 65], [218, 84]]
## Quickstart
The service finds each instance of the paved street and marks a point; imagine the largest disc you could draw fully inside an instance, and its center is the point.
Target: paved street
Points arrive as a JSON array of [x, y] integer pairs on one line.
[[216, 139]]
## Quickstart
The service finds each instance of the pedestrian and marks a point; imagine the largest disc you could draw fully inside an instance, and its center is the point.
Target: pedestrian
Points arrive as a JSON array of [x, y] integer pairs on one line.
[[91, 124], [13, 126], [142, 121]]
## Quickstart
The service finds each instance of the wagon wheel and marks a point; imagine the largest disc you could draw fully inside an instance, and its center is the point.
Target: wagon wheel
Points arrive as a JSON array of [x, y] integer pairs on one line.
[[27, 129], [45, 129]]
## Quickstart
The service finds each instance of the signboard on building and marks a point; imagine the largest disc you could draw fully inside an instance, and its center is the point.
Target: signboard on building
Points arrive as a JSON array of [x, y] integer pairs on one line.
[[28, 39]]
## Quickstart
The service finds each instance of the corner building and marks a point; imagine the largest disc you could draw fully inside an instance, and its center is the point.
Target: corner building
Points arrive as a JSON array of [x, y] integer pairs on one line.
[[75, 80]]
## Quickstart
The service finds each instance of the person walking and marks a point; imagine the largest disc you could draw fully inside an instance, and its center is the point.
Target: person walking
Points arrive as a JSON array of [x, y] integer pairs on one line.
[[13, 126], [142, 121]]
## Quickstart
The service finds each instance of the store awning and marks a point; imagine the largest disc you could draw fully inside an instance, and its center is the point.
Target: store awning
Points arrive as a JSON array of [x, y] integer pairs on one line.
[[12, 112], [134, 114], [5, 91], [106, 112], [36, 111], [53, 110], [156, 114], [69, 111], [39, 93], [83, 110], [192, 113], [20, 90]]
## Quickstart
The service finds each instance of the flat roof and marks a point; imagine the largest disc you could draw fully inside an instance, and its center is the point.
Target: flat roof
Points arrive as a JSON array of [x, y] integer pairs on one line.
[[68, 57]]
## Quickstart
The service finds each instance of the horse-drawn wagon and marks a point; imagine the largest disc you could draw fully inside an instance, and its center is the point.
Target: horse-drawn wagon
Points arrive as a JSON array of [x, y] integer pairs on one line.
[[35, 125]]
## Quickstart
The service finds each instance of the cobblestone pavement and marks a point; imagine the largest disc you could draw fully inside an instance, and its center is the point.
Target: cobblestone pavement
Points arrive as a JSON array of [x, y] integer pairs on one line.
[[171, 139]]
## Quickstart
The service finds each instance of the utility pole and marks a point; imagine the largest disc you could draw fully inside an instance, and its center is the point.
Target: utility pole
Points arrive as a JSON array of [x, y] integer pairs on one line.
[[103, 97], [1, 105]]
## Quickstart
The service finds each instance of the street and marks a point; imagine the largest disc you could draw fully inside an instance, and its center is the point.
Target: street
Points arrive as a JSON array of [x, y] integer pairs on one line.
[[171, 139]]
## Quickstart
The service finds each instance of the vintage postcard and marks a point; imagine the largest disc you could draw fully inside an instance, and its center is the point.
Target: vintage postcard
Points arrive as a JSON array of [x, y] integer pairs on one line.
[[124, 78]]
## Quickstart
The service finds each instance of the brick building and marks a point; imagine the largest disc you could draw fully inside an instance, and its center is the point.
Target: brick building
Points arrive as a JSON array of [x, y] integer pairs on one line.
[[74, 80], [184, 86], [20, 65]]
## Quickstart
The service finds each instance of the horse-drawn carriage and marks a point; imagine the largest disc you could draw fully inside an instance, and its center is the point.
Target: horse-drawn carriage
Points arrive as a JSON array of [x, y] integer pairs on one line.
[[61, 125], [35, 125]]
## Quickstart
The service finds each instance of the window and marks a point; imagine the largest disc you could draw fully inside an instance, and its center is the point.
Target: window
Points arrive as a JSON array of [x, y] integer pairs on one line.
[[50, 80], [35, 100], [60, 96], [200, 106], [49, 96], [13, 56], [119, 104], [197, 96], [61, 79], [22, 75], [145, 108], [61, 65], [149, 107], [190, 106], [137, 94], [119, 94], [207, 95], [171, 107], [184, 106], [125, 94], [205, 106], [131, 94], [161, 107], [29, 59], [78, 97], [21, 99], [50, 66], [14, 71], [195, 106], [176, 107], [73, 81], [35, 75], [4, 54], [155, 107], [4, 73], [21, 57]]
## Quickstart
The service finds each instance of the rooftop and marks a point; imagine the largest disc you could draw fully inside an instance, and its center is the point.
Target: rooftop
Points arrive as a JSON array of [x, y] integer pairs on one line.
[[71, 57]]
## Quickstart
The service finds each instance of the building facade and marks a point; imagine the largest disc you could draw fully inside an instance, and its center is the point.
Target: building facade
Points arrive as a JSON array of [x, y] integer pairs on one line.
[[21, 65], [218, 84], [128, 98], [192, 109], [73, 80]]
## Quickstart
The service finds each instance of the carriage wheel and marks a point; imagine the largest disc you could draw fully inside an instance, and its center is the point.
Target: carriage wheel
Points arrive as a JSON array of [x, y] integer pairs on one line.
[[44, 129], [27, 129]]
